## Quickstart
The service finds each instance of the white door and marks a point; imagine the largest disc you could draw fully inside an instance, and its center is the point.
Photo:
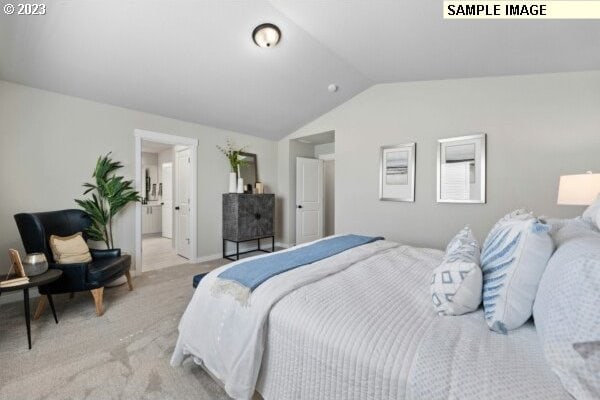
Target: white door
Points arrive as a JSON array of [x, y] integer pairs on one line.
[[167, 200], [309, 199], [182, 200]]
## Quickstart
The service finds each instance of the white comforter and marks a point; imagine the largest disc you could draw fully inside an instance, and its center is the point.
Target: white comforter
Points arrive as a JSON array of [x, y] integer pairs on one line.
[[359, 325], [228, 338]]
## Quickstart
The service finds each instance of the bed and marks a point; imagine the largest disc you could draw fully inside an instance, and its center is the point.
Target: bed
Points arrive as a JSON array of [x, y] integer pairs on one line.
[[358, 325]]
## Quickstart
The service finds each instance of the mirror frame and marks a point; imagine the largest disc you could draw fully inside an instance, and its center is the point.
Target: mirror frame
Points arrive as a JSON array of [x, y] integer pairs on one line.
[[483, 162], [242, 153]]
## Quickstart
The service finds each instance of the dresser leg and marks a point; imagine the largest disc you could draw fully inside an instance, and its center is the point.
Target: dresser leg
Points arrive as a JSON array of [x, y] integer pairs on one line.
[[237, 250], [272, 244]]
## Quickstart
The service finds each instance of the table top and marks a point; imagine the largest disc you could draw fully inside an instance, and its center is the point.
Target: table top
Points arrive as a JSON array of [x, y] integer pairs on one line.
[[49, 276]]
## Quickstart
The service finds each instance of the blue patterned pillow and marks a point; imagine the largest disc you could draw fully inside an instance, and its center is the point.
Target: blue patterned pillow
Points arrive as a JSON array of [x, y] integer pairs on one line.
[[513, 260], [456, 283]]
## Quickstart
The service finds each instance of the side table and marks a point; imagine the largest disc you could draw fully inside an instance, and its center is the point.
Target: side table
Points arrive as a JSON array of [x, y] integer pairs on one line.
[[43, 279]]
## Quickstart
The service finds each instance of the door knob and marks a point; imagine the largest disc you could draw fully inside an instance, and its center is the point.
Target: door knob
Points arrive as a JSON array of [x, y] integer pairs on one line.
[[299, 206], [177, 208]]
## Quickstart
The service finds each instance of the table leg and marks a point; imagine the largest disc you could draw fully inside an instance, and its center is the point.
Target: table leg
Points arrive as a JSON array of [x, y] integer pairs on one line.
[[237, 250], [52, 307], [27, 319], [272, 244]]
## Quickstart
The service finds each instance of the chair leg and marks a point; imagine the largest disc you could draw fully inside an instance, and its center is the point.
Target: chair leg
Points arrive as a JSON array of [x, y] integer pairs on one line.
[[98, 295], [129, 282], [40, 307]]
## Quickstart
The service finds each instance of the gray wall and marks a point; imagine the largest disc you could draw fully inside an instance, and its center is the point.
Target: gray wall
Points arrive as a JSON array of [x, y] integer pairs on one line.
[[49, 144], [325, 148], [149, 158], [539, 127]]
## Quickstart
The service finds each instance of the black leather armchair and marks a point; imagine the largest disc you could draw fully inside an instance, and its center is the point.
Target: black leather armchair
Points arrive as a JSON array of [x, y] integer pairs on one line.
[[105, 267]]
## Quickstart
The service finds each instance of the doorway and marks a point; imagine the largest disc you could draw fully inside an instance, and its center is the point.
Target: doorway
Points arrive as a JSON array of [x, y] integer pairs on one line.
[[166, 178], [313, 184]]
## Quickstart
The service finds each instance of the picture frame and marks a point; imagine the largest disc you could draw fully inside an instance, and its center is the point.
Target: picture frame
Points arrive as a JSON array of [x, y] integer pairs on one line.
[[461, 169], [397, 165], [16, 264]]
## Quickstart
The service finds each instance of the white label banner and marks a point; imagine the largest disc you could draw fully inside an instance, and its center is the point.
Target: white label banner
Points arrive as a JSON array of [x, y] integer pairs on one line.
[[517, 9]]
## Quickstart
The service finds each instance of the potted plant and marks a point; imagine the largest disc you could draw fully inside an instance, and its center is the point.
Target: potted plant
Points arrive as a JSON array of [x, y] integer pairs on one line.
[[235, 162], [110, 194]]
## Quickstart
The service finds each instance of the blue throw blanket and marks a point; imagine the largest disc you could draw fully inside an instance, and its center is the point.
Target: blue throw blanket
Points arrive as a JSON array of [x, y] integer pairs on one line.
[[252, 273]]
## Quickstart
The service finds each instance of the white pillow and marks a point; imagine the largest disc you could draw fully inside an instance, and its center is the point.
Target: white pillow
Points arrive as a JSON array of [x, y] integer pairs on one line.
[[566, 312], [513, 260], [592, 213], [456, 283]]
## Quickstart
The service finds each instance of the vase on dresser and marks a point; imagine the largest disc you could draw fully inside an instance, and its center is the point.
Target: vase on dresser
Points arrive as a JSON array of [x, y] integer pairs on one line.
[[232, 182]]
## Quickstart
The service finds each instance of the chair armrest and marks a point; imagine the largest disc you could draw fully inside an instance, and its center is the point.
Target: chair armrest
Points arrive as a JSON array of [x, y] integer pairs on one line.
[[74, 268], [72, 280], [104, 254]]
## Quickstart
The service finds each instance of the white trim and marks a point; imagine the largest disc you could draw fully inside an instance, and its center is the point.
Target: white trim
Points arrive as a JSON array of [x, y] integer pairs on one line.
[[165, 138], [140, 135], [210, 257], [327, 157]]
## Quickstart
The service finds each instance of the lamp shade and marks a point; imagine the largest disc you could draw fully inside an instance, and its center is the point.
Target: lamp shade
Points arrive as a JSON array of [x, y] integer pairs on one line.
[[579, 190]]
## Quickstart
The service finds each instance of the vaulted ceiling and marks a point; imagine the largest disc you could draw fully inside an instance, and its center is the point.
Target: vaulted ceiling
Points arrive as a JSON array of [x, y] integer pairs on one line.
[[195, 60]]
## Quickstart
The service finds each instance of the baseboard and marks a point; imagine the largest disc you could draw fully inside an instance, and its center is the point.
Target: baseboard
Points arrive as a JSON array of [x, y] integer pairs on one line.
[[243, 247], [17, 295], [209, 257]]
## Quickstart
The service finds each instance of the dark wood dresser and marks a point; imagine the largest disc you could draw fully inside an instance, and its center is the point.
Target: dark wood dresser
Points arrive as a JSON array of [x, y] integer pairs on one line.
[[247, 217]]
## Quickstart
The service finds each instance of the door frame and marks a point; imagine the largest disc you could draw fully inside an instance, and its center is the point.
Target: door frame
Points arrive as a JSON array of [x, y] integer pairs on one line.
[[141, 134], [162, 173]]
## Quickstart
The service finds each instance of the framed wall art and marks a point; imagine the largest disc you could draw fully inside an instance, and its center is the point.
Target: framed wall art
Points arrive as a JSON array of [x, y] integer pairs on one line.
[[397, 172]]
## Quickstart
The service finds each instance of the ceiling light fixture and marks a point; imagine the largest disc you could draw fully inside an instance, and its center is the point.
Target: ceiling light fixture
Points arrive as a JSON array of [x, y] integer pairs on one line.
[[266, 35]]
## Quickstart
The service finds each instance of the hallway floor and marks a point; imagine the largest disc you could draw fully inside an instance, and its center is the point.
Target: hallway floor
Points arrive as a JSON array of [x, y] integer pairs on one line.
[[157, 253]]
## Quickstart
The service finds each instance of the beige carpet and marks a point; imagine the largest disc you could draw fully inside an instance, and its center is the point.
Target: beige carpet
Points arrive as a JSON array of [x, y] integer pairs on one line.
[[121, 355]]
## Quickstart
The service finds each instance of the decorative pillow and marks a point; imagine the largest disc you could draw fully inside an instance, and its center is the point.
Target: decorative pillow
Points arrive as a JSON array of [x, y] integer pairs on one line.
[[574, 229], [555, 224], [456, 283], [513, 260], [70, 249], [566, 312], [592, 213]]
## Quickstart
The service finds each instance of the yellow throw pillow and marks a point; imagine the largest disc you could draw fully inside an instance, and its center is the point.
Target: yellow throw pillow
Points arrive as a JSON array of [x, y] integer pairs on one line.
[[70, 249]]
